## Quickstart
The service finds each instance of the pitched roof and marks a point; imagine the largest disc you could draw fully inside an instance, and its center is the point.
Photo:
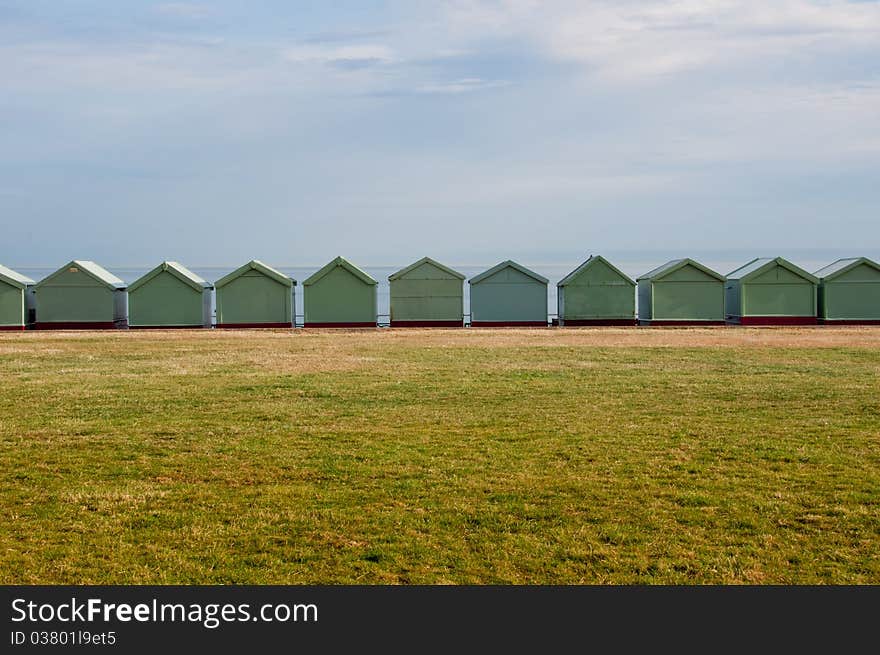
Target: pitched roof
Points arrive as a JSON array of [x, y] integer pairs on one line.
[[676, 264], [507, 264], [425, 260], [90, 268], [760, 264], [255, 265], [592, 261], [179, 271], [747, 269], [340, 262], [841, 266], [15, 279]]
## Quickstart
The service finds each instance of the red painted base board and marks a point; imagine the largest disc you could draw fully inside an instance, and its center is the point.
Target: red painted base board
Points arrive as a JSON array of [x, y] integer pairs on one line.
[[11, 328], [437, 324], [665, 323], [509, 324], [233, 326], [598, 322], [79, 325], [168, 327], [340, 325], [776, 320]]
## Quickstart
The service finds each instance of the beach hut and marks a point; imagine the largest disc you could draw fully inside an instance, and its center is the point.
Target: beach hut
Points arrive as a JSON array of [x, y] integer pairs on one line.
[[771, 291], [849, 292], [427, 294], [340, 295], [16, 300], [255, 295], [80, 295], [596, 293], [681, 292], [169, 296], [508, 294]]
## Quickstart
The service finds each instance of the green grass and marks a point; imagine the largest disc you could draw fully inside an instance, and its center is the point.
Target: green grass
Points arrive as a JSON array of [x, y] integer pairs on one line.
[[440, 457]]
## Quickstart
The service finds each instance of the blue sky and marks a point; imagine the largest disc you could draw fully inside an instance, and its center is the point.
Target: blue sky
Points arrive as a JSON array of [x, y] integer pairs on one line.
[[469, 130]]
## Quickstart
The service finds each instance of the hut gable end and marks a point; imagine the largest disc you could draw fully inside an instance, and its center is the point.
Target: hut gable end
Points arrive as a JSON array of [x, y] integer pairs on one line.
[[15, 279], [169, 296], [688, 273], [255, 295], [255, 268], [81, 294], [682, 270], [599, 272], [337, 268], [426, 293], [777, 275], [507, 276], [340, 295], [857, 269], [80, 273], [163, 280], [849, 291], [168, 272], [16, 299], [771, 291], [596, 293], [426, 269], [596, 271], [508, 272], [861, 273], [761, 270], [681, 291], [508, 294]]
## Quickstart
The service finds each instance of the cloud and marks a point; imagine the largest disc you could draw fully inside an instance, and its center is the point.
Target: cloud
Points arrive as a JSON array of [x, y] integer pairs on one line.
[[472, 116], [466, 85], [633, 40], [347, 56]]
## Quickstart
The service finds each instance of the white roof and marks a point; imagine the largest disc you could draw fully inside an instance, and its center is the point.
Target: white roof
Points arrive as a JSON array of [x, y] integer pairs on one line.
[[756, 265], [676, 264], [16, 278], [751, 267], [184, 271], [91, 269], [100, 272], [176, 269], [842, 265]]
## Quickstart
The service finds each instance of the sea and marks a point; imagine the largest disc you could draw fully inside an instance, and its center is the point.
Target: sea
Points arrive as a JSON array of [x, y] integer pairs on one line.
[[634, 264]]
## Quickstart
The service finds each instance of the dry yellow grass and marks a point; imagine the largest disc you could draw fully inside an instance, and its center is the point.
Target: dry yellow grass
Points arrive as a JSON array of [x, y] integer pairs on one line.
[[559, 455]]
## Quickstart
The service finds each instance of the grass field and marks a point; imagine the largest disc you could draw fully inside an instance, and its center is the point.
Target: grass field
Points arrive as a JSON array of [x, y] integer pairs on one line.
[[468, 456]]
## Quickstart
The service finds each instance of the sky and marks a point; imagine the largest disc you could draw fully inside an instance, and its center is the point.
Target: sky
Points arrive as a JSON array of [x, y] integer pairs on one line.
[[467, 130]]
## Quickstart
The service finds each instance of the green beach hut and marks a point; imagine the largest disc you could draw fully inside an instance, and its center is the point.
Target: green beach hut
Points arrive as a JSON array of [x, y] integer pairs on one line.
[[771, 291], [340, 295], [427, 294], [80, 296], [16, 300], [169, 296], [596, 293], [849, 292], [508, 294], [255, 295], [681, 292]]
